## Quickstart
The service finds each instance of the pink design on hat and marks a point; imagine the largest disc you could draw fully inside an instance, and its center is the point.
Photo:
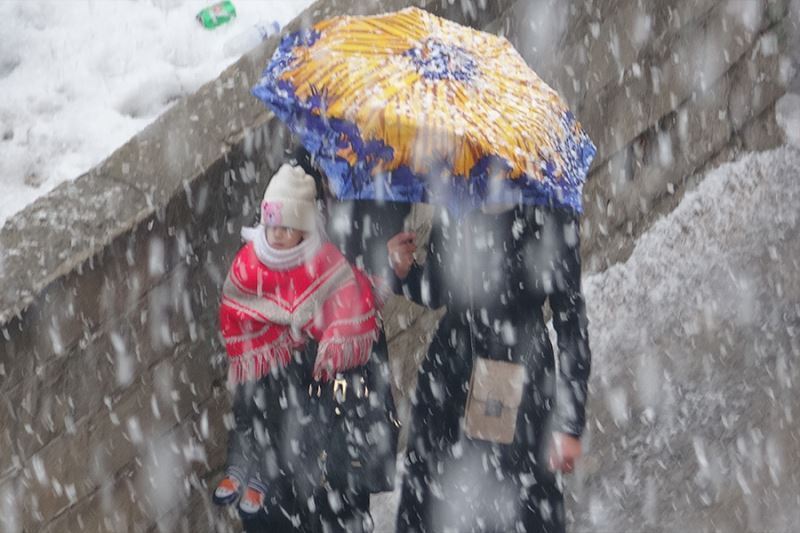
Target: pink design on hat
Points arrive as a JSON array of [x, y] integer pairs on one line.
[[271, 213]]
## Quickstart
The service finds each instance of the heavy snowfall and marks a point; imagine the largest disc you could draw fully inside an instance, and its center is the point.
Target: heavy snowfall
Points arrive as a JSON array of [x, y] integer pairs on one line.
[[695, 336]]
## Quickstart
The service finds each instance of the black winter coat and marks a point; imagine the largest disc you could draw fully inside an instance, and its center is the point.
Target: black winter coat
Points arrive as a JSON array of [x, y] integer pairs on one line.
[[286, 429], [494, 274]]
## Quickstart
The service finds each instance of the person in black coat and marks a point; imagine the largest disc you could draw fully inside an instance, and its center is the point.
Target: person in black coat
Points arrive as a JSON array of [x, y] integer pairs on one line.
[[361, 229], [494, 273]]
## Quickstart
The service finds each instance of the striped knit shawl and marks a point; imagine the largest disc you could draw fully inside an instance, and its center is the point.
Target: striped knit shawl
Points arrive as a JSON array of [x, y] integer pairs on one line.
[[267, 314]]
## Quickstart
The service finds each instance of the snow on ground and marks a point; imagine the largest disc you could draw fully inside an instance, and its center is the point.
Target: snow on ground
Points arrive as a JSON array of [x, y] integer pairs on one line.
[[695, 353], [740, 213], [81, 77]]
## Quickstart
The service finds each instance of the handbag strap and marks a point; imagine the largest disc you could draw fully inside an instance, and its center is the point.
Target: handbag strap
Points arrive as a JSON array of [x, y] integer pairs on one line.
[[470, 293]]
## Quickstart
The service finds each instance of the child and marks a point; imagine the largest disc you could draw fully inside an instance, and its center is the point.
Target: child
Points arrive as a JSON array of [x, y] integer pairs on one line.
[[286, 286]]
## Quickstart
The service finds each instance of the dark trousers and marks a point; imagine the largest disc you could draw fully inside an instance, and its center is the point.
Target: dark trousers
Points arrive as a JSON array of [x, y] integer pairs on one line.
[[485, 487], [244, 449], [268, 418], [325, 512]]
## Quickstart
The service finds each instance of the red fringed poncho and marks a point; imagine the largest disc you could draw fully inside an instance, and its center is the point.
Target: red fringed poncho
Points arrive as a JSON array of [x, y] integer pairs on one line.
[[266, 314]]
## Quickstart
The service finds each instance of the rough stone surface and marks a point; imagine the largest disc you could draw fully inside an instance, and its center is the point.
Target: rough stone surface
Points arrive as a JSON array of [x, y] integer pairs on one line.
[[603, 243], [762, 133], [9, 459], [42, 242], [699, 438], [661, 83], [624, 195]]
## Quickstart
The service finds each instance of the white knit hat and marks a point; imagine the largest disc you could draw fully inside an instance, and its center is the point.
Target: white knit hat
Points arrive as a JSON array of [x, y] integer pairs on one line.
[[290, 200]]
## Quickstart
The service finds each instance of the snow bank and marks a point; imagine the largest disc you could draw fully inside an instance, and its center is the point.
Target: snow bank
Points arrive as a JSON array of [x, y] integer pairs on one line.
[[695, 352], [787, 114], [739, 214], [79, 78]]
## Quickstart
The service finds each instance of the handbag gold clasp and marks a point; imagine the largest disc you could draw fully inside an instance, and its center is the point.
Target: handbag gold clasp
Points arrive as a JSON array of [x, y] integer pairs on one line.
[[340, 384]]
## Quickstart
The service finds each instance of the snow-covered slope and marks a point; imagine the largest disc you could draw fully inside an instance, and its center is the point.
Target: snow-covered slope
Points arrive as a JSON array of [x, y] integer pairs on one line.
[[81, 77], [696, 357]]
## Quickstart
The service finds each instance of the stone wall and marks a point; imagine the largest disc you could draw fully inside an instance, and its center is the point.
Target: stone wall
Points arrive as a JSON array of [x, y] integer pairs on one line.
[[663, 88], [112, 399], [110, 376]]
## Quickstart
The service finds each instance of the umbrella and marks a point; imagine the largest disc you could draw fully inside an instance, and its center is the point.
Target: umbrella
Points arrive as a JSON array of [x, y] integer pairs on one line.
[[411, 107]]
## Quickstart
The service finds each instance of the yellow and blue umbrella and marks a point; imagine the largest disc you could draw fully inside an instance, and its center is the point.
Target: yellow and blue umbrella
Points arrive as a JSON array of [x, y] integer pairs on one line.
[[411, 107]]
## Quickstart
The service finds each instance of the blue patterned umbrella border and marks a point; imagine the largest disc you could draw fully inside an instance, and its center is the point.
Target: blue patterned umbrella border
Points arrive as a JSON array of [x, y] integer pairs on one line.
[[324, 136]]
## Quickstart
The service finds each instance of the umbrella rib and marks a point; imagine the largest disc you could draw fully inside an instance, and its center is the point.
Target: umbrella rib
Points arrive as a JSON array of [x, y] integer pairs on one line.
[[388, 88], [407, 32], [353, 87], [477, 130], [448, 134], [530, 123], [461, 147], [319, 78], [353, 95]]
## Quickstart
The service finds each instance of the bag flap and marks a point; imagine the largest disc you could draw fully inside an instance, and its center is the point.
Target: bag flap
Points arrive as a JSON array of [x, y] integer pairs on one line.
[[499, 381]]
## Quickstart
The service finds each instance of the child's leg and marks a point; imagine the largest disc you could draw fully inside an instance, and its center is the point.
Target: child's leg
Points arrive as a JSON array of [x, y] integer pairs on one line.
[[345, 511], [269, 475], [241, 448], [241, 451], [258, 488]]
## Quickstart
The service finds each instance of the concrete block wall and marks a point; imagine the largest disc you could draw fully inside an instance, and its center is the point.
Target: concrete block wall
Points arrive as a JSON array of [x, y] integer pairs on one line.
[[112, 399], [114, 372], [663, 88]]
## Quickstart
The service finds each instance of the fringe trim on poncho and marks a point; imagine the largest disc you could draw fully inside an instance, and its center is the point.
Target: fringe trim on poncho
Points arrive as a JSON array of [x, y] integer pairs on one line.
[[267, 314]]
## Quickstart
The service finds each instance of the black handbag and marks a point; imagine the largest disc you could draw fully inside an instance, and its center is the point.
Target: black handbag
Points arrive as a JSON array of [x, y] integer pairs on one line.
[[353, 428]]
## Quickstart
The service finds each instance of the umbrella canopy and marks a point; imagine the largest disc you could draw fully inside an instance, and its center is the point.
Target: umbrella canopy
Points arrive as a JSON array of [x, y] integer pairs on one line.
[[411, 107]]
